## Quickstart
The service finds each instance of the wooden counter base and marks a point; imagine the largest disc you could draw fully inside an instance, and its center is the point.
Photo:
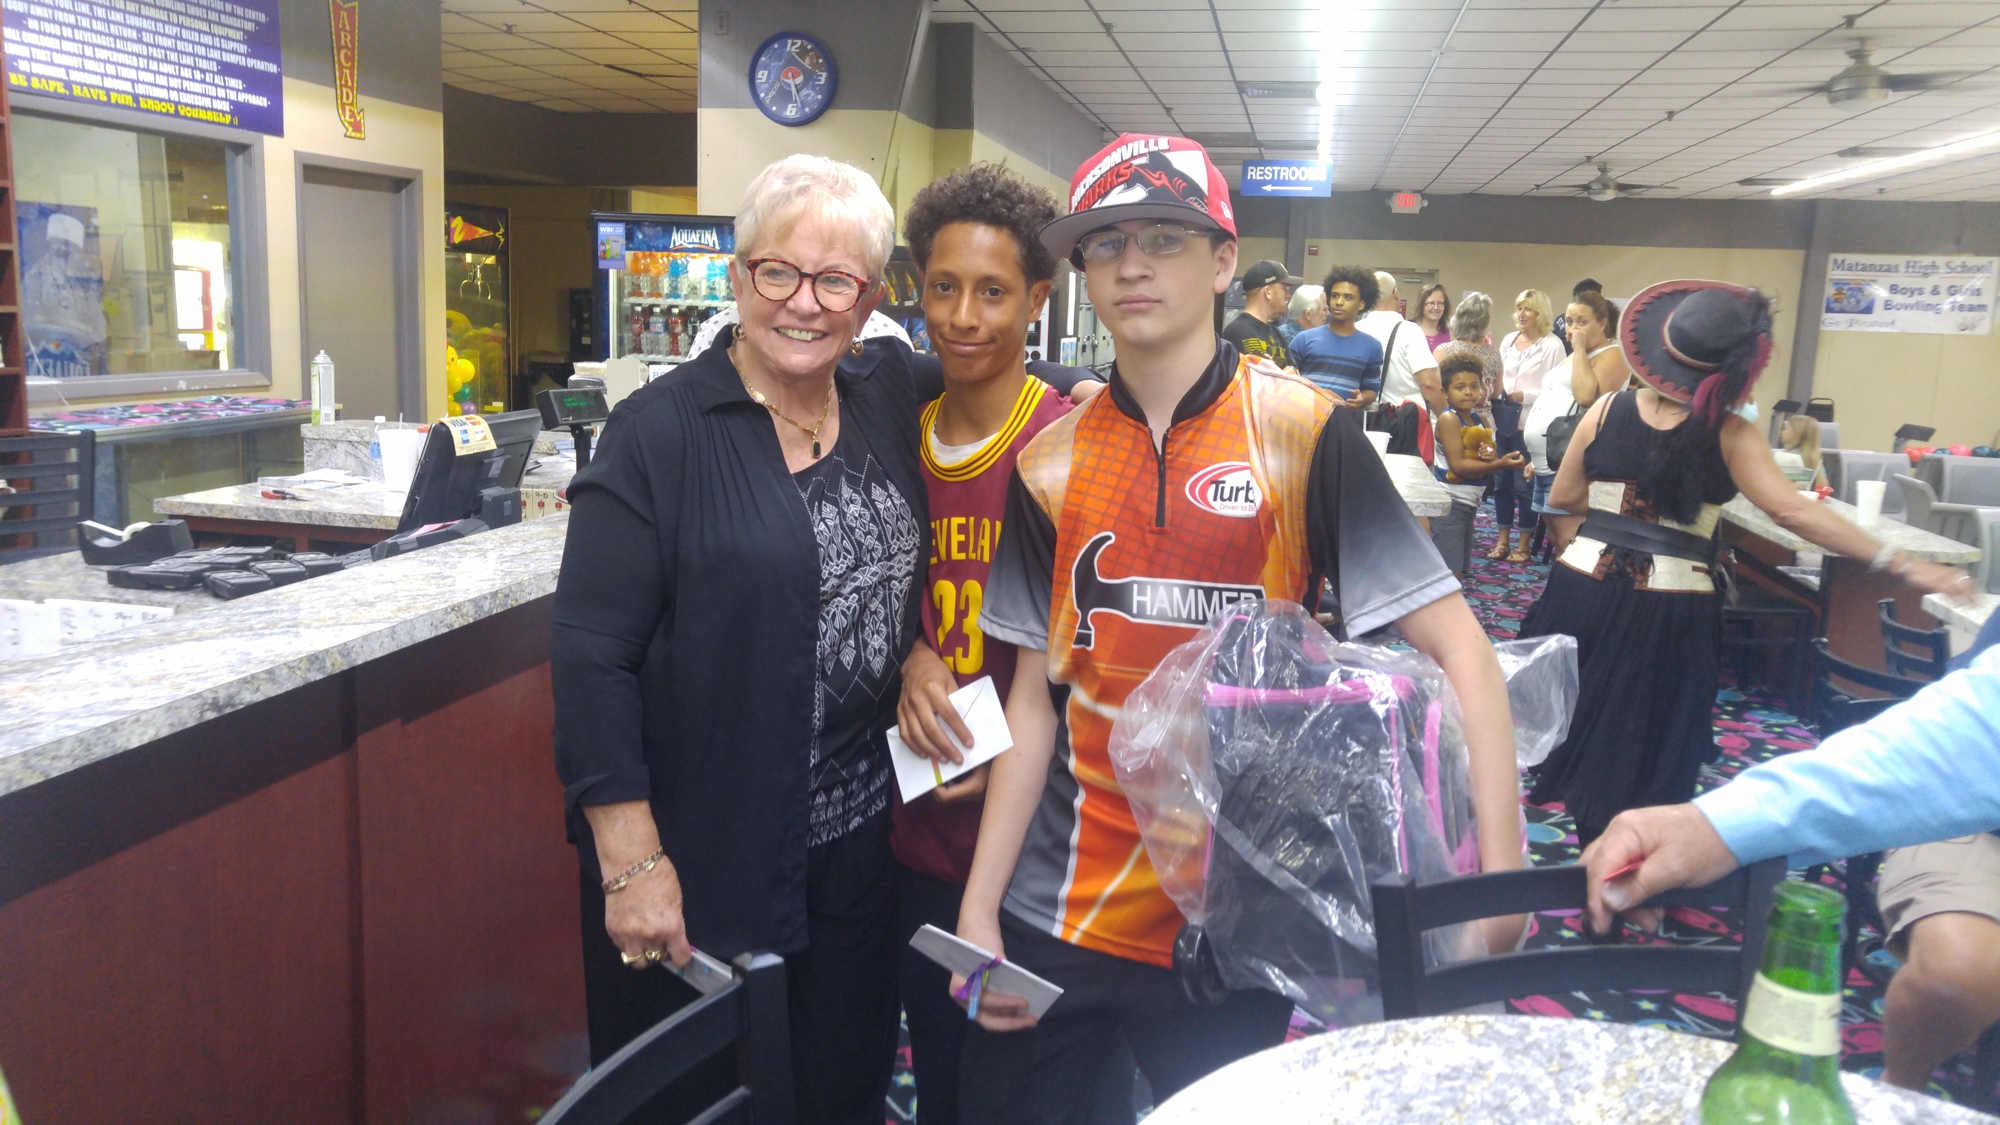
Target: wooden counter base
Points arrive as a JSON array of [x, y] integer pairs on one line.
[[352, 902]]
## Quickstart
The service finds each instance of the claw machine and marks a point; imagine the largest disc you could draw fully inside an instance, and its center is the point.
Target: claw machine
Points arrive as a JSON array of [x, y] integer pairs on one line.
[[478, 332], [658, 278]]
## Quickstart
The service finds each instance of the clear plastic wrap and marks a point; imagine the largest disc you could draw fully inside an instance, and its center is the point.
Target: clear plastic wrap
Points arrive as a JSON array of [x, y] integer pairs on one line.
[[1274, 772], [1541, 690]]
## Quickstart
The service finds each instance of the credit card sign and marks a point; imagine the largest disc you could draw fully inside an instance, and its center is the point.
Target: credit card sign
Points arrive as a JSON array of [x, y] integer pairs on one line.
[[1297, 178]]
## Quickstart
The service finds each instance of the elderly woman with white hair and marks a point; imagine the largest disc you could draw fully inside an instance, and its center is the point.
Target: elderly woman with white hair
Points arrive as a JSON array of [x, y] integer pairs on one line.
[[736, 598]]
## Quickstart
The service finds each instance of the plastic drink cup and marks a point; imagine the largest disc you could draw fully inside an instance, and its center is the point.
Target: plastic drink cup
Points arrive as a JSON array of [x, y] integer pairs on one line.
[[1868, 502], [400, 449]]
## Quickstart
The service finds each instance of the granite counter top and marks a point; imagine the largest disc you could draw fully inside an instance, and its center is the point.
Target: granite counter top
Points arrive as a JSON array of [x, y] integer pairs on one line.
[[65, 576], [1964, 618], [365, 506], [1912, 541], [1418, 485], [1515, 1069], [99, 698]]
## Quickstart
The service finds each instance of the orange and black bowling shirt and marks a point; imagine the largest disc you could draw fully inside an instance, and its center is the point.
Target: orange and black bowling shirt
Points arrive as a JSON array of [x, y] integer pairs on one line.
[[1114, 551]]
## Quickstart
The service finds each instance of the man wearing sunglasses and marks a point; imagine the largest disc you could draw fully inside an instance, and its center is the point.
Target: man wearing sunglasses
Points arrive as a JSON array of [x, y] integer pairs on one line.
[[1198, 479]]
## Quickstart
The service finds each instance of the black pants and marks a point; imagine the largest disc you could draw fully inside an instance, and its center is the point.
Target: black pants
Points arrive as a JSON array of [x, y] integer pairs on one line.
[[842, 986], [1053, 1071]]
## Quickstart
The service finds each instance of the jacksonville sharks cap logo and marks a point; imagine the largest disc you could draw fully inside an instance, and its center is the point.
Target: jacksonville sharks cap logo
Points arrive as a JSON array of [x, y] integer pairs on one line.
[[1150, 601]]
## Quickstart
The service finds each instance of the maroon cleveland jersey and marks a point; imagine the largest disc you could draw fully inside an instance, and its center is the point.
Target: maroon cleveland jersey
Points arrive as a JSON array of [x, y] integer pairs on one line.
[[966, 501]]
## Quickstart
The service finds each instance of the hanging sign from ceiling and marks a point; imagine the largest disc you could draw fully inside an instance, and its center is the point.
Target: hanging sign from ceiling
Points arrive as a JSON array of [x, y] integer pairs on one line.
[[1935, 294], [1302, 178], [346, 16], [214, 61]]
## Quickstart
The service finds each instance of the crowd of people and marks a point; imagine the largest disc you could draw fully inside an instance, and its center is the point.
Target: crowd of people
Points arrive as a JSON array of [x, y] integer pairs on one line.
[[806, 535]]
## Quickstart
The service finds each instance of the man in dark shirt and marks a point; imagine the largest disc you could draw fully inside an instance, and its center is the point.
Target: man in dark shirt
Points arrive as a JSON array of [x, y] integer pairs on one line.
[[1267, 289]]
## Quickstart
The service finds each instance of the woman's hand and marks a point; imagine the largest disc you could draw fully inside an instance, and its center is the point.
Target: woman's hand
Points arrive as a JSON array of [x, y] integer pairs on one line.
[[926, 697], [998, 1011], [645, 917], [1516, 461], [1936, 578]]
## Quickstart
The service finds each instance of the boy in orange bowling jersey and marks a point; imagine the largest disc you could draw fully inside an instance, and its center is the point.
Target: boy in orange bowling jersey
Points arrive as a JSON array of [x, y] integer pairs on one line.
[[1199, 478]]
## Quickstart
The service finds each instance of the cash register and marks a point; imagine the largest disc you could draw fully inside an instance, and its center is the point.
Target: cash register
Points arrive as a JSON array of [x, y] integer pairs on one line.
[[468, 480]]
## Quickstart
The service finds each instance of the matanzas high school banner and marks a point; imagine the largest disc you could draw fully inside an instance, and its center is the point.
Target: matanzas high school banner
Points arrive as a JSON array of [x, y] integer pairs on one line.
[[1943, 295]]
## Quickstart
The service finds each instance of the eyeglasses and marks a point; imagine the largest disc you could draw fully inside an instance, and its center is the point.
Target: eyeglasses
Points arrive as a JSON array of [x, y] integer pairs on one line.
[[1154, 242], [775, 279]]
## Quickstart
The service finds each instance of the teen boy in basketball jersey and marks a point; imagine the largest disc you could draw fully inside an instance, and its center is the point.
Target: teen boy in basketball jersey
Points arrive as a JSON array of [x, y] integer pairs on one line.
[[974, 235], [1198, 478]]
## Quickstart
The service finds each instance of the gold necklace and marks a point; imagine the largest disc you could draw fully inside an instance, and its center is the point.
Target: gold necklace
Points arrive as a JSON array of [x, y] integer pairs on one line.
[[758, 397]]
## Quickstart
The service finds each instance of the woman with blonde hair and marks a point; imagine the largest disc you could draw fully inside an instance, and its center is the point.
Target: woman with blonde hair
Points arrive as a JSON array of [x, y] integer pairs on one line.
[[1798, 449], [737, 595], [1527, 356]]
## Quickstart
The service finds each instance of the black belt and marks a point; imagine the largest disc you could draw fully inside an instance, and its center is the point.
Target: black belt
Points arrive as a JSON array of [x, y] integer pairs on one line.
[[1615, 530]]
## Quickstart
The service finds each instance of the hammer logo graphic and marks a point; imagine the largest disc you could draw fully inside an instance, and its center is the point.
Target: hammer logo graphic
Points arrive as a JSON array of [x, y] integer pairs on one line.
[[1151, 601]]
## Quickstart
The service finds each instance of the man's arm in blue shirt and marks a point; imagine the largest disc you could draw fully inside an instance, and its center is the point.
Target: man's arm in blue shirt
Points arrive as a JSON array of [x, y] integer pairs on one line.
[[1927, 769]]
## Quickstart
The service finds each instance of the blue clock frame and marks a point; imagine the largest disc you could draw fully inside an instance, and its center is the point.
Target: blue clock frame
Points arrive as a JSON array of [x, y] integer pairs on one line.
[[793, 78]]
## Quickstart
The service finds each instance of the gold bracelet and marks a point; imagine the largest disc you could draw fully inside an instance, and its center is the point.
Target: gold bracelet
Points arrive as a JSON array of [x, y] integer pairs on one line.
[[613, 886]]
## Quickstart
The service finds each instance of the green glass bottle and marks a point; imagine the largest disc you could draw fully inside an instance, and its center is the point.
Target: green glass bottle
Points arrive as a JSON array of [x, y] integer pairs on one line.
[[1786, 1069]]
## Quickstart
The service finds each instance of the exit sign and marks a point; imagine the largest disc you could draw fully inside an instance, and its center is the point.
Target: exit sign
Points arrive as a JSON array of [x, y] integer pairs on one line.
[[1406, 202]]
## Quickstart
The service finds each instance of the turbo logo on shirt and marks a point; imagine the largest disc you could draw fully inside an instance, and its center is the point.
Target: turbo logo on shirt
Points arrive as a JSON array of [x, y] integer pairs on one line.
[[1228, 489], [1150, 601]]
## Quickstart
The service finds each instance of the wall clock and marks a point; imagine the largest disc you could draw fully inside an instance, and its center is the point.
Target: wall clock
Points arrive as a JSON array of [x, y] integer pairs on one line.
[[792, 78]]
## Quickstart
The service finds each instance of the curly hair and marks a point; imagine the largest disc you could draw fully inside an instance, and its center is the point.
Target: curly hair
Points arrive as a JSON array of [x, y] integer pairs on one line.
[[1457, 360], [991, 195], [1362, 280]]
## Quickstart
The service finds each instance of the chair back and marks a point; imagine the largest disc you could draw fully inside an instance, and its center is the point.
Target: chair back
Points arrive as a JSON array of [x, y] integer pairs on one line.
[[1404, 909], [55, 487], [1834, 707], [1911, 652], [748, 1017], [1970, 480], [1917, 500], [1989, 548], [1846, 466]]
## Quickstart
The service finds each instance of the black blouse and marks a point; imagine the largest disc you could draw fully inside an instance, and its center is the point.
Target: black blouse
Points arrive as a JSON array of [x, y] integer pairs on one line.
[[687, 624]]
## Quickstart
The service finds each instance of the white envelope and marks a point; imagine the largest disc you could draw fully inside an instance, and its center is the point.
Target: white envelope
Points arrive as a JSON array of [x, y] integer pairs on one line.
[[979, 704], [964, 958]]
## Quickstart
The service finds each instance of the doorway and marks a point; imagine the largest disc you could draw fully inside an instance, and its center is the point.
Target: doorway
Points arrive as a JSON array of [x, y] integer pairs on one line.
[[359, 235]]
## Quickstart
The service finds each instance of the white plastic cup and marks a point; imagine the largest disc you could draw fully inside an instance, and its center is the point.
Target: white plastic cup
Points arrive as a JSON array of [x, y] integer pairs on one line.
[[1868, 502], [400, 449], [1380, 440]]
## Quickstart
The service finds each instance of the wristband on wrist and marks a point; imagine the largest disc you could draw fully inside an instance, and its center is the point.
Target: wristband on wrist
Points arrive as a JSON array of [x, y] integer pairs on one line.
[[1885, 559]]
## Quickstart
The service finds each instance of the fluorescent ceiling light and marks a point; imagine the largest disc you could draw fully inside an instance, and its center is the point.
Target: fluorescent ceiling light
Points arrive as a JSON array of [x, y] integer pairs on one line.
[[1971, 146]]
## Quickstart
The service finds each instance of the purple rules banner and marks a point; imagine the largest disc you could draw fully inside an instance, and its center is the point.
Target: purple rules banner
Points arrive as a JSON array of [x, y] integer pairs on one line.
[[215, 61]]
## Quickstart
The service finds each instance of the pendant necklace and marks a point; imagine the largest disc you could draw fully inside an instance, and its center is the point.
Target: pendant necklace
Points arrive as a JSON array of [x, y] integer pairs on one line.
[[758, 397]]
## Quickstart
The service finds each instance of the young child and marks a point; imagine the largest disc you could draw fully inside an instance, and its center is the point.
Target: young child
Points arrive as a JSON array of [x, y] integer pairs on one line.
[[1798, 454], [1468, 456]]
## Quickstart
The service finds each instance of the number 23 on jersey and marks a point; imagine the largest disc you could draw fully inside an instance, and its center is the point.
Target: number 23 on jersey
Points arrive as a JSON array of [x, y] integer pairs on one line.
[[959, 641]]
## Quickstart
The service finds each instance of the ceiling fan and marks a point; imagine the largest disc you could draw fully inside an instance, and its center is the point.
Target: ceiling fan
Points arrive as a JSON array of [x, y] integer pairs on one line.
[[1864, 85], [1604, 187]]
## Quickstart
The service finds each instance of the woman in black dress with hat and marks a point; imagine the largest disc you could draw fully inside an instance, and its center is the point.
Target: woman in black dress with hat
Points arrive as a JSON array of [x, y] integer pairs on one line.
[[1650, 468]]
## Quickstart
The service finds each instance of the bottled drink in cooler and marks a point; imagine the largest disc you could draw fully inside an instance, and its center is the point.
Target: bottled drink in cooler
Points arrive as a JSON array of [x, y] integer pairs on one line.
[[1786, 1069]]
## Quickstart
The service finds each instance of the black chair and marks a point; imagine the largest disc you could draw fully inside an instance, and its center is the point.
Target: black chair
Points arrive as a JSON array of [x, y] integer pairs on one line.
[[55, 479], [1743, 629], [748, 1017], [1913, 652], [1404, 909]]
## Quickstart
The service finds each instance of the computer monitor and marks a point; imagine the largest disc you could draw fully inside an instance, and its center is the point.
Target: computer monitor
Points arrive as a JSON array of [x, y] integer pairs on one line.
[[447, 484]]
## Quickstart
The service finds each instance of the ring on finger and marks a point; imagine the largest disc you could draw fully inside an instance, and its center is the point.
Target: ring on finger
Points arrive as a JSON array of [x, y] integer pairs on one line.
[[653, 956], [631, 960]]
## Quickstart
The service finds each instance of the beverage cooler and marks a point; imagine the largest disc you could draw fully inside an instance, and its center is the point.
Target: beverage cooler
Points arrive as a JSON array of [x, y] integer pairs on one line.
[[658, 278], [478, 333]]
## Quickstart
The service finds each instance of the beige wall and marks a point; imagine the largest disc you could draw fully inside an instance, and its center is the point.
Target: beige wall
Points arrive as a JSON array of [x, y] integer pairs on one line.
[[398, 135], [1503, 269], [1880, 380]]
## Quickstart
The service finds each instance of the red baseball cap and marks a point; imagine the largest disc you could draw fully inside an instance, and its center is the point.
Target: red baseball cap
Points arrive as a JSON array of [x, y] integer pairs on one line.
[[1141, 176]]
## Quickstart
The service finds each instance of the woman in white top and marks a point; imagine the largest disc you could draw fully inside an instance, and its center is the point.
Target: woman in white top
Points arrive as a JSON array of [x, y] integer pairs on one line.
[[1527, 357], [1596, 368]]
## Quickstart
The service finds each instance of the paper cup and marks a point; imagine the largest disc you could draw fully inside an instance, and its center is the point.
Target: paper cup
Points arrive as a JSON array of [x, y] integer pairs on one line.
[[1379, 439], [400, 449], [1868, 502]]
